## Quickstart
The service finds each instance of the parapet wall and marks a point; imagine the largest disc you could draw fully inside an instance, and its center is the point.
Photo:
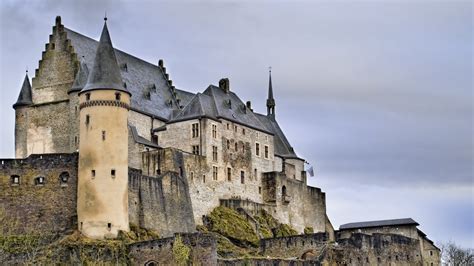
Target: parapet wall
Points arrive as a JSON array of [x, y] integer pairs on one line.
[[38, 194], [293, 246], [160, 203], [203, 250]]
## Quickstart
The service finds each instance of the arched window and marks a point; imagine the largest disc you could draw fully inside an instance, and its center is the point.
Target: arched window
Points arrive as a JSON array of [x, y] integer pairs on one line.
[[283, 191], [64, 177], [15, 179], [39, 181]]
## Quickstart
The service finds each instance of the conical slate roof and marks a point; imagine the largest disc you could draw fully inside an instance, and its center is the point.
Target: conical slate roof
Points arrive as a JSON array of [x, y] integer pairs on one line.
[[25, 94], [81, 77], [105, 72]]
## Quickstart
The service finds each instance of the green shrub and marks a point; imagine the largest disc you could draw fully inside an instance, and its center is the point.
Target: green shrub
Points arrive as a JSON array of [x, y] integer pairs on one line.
[[180, 251]]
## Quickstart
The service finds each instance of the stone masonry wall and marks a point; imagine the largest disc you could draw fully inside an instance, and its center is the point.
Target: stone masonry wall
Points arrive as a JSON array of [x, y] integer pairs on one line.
[[39, 208], [296, 203], [160, 203], [293, 246], [375, 249], [203, 250]]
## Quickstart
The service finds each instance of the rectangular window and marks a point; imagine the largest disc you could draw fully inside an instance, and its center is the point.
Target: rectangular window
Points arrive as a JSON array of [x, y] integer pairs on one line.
[[242, 177], [112, 173], [235, 129], [103, 135], [75, 140], [243, 131], [204, 178], [192, 176], [236, 146], [214, 172], [88, 96], [255, 174], [214, 153], [93, 173], [214, 131], [117, 96], [266, 152], [196, 149], [229, 174], [228, 126], [228, 144], [154, 139], [259, 190], [88, 119], [195, 130], [257, 149]]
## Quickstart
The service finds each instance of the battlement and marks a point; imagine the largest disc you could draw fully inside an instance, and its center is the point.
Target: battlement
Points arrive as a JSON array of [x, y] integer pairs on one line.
[[203, 250]]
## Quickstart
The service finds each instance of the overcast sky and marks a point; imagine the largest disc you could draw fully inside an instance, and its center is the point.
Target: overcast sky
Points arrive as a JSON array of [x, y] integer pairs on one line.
[[378, 97]]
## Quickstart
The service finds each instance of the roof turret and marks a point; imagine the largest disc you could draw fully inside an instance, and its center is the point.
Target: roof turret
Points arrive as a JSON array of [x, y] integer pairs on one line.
[[105, 72], [81, 77], [270, 100], [25, 94]]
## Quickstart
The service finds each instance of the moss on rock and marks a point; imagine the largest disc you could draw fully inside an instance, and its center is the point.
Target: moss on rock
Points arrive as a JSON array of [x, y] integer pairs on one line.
[[233, 226], [308, 230], [284, 230]]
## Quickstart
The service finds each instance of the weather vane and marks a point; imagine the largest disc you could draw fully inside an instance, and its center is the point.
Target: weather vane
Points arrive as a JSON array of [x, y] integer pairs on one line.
[[105, 16]]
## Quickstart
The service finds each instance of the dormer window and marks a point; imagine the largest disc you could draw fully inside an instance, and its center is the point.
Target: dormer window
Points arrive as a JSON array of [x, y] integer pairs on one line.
[[88, 96], [117, 96]]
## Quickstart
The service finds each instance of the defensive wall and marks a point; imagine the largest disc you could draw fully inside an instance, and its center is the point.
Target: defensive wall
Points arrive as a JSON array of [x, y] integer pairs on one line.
[[38, 193], [203, 250]]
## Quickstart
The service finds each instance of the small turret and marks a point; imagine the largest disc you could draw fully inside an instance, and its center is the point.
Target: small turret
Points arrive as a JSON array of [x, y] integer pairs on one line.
[[270, 100], [102, 196], [81, 77], [24, 99]]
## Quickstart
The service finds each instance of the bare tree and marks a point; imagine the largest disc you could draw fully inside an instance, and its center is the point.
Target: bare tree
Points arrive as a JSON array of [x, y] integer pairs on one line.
[[454, 255]]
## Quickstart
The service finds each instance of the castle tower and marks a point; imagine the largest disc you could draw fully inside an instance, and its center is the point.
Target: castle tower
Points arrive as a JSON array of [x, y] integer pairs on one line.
[[79, 82], [270, 100], [102, 201], [21, 118]]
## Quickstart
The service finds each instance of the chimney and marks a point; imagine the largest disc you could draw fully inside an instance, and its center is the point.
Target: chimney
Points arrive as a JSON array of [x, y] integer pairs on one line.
[[249, 105], [224, 85]]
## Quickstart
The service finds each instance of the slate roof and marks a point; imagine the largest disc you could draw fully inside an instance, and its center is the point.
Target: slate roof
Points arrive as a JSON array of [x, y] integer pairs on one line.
[[105, 73], [24, 98], [381, 223], [143, 79], [81, 77], [139, 77]]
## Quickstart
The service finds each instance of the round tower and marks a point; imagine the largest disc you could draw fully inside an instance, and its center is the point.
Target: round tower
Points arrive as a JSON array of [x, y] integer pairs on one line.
[[102, 203], [21, 118]]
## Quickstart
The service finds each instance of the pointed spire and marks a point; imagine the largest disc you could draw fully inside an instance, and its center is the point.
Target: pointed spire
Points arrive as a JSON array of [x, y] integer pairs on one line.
[[24, 98], [105, 72], [270, 100], [81, 77]]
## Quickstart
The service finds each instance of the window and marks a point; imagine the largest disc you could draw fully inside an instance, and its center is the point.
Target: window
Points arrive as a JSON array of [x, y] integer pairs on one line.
[[88, 119], [192, 176], [64, 177], [204, 178], [39, 181], [196, 149], [154, 139], [431, 252], [112, 173], [236, 146], [259, 190], [181, 171], [257, 149], [242, 177], [109, 226], [255, 174], [88, 96], [228, 126], [117, 96], [243, 147], [75, 140], [214, 172], [214, 131], [243, 131], [214, 153], [195, 130], [235, 128], [228, 144], [229, 174], [283, 191], [15, 179], [93, 173], [103, 135]]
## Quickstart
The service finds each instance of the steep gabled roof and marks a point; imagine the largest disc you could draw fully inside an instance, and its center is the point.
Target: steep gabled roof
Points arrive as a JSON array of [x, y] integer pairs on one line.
[[281, 143], [381, 223], [25, 94], [81, 77], [105, 73], [201, 105], [139, 76]]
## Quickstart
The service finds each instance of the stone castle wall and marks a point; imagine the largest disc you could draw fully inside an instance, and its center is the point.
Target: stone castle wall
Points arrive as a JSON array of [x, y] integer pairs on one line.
[[30, 207], [293, 246], [160, 203], [203, 250]]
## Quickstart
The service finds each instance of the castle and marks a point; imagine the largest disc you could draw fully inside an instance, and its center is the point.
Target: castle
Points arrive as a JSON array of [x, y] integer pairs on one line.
[[111, 142]]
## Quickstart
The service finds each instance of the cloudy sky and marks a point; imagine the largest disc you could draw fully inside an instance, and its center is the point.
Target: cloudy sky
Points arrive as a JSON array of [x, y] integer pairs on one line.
[[377, 96]]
